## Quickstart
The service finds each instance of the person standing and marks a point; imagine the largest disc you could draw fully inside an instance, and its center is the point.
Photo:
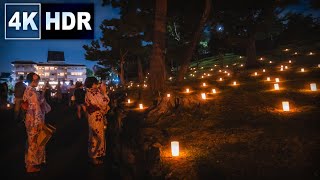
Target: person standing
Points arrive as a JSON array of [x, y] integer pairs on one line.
[[19, 89], [64, 92], [35, 119], [79, 94], [96, 100]]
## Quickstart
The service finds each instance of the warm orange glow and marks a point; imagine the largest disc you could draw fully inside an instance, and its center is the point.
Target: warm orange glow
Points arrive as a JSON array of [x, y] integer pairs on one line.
[[8, 105], [286, 67], [168, 95], [214, 91], [270, 62], [286, 50], [285, 106], [220, 79], [140, 106], [268, 78], [129, 101], [204, 84], [281, 69], [175, 148], [289, 61], [277, 80], [187, 90], [302, 69], [296, 53], [263, 70], [234, 83], [311, 53], [276, 87], [255, 73]]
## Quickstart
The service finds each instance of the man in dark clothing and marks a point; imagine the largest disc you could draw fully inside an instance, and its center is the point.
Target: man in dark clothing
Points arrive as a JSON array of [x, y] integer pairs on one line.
[[18, 95]]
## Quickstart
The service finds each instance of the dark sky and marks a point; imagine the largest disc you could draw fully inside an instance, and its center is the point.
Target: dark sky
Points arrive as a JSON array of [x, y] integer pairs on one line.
[[36, 50]]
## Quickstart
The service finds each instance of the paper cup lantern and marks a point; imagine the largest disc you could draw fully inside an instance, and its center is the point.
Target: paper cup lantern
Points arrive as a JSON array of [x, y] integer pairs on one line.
[[140, 106], [268, 78], [276, 87], [203, 96], [302, 69], [187, 90], [285, 106], [234, 83], [313, 86], [175, 148], [277, 80], [214, 91], [168, 95], [129, 101]]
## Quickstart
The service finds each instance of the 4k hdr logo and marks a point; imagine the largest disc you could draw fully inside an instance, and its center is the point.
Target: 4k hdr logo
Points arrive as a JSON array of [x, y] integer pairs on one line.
[[48, 21]]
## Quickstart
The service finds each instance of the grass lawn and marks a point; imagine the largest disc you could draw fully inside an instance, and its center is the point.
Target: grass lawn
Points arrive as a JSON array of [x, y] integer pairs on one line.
[[242, 132]]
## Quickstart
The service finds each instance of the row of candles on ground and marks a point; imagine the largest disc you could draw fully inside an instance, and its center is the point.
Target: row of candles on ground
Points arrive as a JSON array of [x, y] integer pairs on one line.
[[295, 53]]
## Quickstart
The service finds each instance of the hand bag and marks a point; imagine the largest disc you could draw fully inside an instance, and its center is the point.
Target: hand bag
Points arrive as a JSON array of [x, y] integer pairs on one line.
[[45, 134]]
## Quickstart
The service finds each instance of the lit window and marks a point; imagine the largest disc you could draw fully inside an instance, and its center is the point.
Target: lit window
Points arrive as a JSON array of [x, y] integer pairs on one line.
[[46, 74], [76, 73], [21, 73], [61, 74], [51, 68], [46, 68], [80, 79]]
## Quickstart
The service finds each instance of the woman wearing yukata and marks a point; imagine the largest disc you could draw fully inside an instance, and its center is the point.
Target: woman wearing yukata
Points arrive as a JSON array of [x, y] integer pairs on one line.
[[35, 116], [96, 100]]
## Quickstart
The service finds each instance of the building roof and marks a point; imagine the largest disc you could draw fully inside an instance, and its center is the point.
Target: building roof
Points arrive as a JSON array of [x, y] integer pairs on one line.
[[57, 64], [55, 56], [23, 62]]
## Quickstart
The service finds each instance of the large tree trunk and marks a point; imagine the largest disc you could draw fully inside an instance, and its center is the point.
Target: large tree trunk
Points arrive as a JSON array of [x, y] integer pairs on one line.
[[196, 37], [122, 79], [157, 62], [140, 70], [251, 53]]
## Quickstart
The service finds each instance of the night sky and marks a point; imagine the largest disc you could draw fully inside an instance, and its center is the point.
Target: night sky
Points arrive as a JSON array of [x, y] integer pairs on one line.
[[36, 50]]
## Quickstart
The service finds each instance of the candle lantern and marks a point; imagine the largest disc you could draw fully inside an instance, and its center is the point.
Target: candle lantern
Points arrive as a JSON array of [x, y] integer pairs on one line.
[[168, 95], [220, 79], [140, 106], [8, 105], [318, 65], [268, 78], [234, 83], [276, 87], [281, 69], [302, 69], [203, 96], [214, 91], [204, 84], [175, 148], [255, 73], [187, 90], [270, 62], [313, 86], [277, 80], [286, 67], [129, 101], [263, 70], [285, 106], [289, 61]]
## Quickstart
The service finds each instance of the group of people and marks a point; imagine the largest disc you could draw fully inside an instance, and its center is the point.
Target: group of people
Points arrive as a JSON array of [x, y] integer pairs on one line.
[[94, 101]]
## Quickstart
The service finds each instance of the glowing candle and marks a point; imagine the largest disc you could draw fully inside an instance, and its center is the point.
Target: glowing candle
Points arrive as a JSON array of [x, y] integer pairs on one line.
[[286, 67], [241, 65], [289, 61], [268, 78], [201, 76], [168, 95], [234, 83], [261, 59], [285, 106], [203, 96], [318, 65], [175, 148], [270, 62], [204, 84], [140, 106], [276, 87], [263, 70], [281, 69], [220, 79], [8, 105], [313, 86], [228, 74], [214, 91], [277, 80], [187, 90], [219, 70], [255, 73], [129, 101], [296, 53], [311, 53], [302, 69], [211, 69]]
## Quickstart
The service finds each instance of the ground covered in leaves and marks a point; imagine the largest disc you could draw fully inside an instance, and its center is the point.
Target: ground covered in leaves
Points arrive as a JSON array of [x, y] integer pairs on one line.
[[241, 131]]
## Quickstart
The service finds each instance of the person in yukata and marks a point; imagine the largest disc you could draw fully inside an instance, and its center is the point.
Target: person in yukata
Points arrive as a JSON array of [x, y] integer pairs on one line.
[[35, 119], [96, 100]]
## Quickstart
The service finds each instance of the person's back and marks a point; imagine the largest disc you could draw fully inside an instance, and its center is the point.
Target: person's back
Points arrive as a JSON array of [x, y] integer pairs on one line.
[[79, 94], [19, 89]]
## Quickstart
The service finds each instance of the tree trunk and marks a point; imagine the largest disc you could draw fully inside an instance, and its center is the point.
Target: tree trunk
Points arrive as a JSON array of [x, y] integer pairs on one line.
[[196, 37], [157, 62], [140, 71], [122, 79], [251, 53]]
